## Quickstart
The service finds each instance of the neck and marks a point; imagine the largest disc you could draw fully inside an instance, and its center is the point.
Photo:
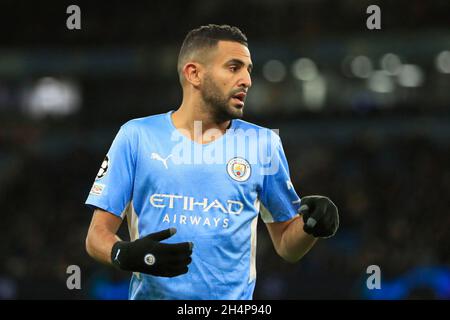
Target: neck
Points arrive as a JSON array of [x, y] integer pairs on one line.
[[187, 114], [195, 121]]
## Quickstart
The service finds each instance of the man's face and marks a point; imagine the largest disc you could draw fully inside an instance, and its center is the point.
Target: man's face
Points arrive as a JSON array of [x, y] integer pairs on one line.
[[227, 80]]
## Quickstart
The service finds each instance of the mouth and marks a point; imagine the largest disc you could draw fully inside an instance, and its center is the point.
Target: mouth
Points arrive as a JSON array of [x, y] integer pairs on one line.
[[239, 98]]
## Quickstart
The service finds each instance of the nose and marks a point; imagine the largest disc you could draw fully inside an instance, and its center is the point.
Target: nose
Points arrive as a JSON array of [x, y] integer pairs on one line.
[[246, 80]]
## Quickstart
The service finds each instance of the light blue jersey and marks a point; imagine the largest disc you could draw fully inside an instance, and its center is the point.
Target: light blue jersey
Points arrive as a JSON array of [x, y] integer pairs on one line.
[[211, 193]]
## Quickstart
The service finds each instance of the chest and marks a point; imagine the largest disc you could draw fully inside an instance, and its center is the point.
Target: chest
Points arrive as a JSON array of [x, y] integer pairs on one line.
[[163, 165]]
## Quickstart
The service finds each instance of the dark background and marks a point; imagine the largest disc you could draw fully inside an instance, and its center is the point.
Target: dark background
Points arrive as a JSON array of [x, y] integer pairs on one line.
[[364, 117]]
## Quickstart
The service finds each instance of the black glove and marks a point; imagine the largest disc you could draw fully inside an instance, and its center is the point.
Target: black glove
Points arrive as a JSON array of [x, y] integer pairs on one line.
[[320, 216], [149, 255]]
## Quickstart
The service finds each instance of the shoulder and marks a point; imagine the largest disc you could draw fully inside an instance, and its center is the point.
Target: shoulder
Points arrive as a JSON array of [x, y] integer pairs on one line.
[[242, 124], [145, 122], [149, 123], [263, 133]]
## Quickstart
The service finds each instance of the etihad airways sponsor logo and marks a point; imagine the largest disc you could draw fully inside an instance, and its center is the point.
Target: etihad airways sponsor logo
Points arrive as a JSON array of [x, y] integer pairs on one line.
[[196, 220], [172, 201]]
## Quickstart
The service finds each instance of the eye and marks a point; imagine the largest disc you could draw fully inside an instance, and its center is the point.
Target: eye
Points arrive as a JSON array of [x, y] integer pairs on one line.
[[233, 68]]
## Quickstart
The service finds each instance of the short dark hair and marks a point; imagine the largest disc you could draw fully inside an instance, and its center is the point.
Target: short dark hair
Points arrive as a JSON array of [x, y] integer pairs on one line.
[[207, 37]]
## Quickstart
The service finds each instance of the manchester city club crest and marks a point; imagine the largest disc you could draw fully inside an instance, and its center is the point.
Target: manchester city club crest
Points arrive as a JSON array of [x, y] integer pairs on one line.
[[239, 169]]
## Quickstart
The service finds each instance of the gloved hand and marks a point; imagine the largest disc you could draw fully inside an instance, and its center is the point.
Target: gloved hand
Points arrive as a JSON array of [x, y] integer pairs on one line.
[[148, 255], [320, 216]]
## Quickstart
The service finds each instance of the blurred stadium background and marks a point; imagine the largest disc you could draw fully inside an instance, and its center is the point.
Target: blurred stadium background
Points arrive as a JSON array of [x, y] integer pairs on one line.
[[364, 117]]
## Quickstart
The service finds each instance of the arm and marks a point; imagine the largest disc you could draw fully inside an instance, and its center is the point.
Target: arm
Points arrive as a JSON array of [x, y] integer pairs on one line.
[[147, 255], [292, 239], [102, 235], [289, 239]]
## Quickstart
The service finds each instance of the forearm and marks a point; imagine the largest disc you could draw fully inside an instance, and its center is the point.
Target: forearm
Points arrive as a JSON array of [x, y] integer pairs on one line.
[[295, 242], [99, 243]]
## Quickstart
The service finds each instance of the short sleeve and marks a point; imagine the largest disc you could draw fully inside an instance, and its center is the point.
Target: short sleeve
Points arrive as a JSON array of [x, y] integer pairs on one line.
[[278, 198], [113, 186]]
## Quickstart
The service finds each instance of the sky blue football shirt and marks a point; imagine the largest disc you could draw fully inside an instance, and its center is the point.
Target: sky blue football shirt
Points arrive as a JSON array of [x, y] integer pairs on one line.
[[211, 193]]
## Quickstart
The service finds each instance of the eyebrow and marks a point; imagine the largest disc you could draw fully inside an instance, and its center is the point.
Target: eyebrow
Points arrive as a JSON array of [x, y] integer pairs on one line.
[[239, 62]]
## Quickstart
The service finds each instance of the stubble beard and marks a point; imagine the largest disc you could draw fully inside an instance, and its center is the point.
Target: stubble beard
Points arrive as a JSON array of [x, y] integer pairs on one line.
[[218, 104]]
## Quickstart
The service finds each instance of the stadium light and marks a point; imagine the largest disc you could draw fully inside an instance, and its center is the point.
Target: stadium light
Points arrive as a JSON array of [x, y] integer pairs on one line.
[[410, 76], [380, 82], [304, 69], [314, 93], [274, 71], [391, 64], [361, 67], [442, 62], [50, 96]]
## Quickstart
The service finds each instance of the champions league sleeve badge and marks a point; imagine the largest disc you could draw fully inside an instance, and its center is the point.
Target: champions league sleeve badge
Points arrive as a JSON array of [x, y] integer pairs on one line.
[[103, 169]]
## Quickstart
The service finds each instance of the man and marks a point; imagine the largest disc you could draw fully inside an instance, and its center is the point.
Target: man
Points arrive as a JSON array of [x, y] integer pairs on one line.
[[192, 183]]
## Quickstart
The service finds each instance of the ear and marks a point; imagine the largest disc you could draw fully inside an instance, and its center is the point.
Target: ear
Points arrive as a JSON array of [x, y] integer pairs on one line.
[[193, 73]]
